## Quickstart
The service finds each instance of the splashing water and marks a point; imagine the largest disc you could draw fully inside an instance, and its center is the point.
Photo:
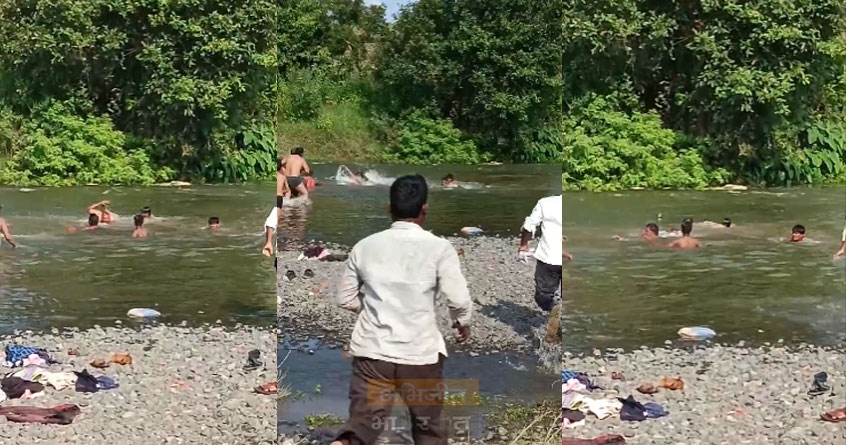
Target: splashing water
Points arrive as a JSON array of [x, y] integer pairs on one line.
[[342, 176]]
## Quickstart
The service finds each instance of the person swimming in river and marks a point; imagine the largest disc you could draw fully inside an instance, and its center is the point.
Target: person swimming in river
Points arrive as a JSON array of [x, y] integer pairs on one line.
[[686, 241], [140, 231], [93, 224], [103, 212], [650, 233], [358, 178], [214, 224], [797, 234], [449, 181], [295, 169], [147, 213]]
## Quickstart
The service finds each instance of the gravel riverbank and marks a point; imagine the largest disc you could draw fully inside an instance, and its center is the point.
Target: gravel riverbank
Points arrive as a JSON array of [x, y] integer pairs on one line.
[[731, 395], [184, 386], [506, 317]]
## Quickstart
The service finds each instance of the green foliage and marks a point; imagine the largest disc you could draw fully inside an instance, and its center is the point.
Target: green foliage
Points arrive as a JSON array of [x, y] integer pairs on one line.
[[490, 68], [173, 77], [254, 160], [422, 140], [60, 148], [749, 77], [608, 149]]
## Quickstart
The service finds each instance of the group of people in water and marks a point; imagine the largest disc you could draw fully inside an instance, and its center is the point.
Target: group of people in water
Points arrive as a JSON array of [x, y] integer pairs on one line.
[[684, 239], [295, 178], [100, 215]]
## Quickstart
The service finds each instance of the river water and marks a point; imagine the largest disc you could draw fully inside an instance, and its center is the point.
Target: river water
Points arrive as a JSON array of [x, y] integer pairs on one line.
[[746, 283], [57, 279], [494, 198]]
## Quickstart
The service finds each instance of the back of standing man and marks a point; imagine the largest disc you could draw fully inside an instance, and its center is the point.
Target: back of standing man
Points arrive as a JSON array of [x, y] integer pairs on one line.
[[295, 168], [547, 216], [391, 280]]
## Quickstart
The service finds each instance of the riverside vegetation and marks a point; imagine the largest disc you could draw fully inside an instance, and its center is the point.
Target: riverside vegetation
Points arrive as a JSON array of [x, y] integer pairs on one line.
[[687, 95], [445, 83], [136, 92]]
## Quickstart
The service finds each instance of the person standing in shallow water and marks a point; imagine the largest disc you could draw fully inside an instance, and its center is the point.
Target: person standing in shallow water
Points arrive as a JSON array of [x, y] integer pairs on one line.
[[295, 167], [7, 234], [390, 281], [546, 215], [686, 241]]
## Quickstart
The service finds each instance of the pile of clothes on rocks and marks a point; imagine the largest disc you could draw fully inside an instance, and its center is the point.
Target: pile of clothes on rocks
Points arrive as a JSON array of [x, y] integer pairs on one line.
[[577, 403], [34, 376]]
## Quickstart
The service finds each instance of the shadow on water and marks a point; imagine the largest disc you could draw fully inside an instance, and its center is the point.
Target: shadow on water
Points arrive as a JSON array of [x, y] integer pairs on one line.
[[56, 279], [746, 282]]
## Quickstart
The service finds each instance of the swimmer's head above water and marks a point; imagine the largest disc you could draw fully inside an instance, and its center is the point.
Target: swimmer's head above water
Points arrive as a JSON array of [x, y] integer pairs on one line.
[[650, 231], [448, 180], [214, 223], [146, 212], [139, 220], [93, 220], [726, 222], [797, 234], [687, 226]]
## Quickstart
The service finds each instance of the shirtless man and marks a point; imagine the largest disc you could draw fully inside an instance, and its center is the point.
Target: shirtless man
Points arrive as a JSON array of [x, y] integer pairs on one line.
[[101, 209], [7, 234], [140, 231], [842, 251], [449, 181], [294, 167], [282, 190], [686, 241]]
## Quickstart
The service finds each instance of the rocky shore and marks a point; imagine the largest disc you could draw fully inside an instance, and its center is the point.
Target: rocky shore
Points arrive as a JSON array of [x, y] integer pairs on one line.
[[732, 394], [506, 317], [184, 386]]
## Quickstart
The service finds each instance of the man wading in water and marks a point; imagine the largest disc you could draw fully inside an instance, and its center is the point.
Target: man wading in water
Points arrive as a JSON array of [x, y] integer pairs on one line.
[[686, 241], [390, 280], [548, 271], [7, 234], [294, 167]]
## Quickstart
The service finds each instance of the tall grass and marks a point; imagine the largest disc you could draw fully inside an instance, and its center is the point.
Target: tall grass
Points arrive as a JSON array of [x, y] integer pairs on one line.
[[341, 133]]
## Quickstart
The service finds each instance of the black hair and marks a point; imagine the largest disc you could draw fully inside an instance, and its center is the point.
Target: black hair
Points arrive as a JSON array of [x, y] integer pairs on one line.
[[687, 226], [799, 228], [408, 195], [652, 227], [93, 219], [146, 210], [278, 164], [448, 177], [214, 220], [298, 151], [727, 222], [139, 220]]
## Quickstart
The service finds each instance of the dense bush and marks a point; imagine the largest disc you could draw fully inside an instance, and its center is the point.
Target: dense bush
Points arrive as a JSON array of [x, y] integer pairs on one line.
[[607, 149], [60, 148], [423, 140]]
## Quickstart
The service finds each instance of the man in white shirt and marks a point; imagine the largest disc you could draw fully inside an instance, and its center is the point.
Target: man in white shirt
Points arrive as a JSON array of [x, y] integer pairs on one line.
[[391, 280], [547, 216]]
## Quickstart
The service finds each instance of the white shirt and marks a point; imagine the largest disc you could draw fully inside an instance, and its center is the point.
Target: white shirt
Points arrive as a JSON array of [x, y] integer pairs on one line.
[[547, 215], [272, 219], [391, 280]]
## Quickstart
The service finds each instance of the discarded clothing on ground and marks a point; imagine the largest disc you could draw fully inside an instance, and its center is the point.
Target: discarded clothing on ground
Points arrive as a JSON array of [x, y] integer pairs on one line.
[[601, 440], [58, 380], [86, 382], [320, 253], [18, 388], [573, 399], [19, 355], [581, 377], [59, 415], [634, 411]]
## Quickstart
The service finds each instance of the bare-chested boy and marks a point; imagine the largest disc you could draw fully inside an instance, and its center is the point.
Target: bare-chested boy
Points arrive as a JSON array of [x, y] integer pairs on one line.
[[686, 241], [295, 167]]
